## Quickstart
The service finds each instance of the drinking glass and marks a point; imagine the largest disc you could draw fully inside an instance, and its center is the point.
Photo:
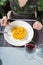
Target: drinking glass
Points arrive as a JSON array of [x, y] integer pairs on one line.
[[30, 50]]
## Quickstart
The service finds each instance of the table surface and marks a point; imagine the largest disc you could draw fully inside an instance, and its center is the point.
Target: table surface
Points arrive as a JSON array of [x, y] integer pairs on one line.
[[18, 56], [38, 35], [10, 55]]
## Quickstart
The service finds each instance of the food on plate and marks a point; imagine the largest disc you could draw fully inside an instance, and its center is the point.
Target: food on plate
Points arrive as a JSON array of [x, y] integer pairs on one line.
[[19, 32]]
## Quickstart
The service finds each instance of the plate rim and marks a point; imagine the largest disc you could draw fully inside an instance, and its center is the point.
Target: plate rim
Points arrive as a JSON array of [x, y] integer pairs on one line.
[[22, 44]]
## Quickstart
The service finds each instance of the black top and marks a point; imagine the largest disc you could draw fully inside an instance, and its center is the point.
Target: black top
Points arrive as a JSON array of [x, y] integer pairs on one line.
[[24, 12]]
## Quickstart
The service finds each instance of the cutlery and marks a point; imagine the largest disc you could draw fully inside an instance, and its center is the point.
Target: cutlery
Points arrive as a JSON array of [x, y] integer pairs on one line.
[[6, 33]]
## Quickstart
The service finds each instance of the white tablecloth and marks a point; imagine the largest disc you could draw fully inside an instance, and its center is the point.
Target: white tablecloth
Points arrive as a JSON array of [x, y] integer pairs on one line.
[[16, 56]]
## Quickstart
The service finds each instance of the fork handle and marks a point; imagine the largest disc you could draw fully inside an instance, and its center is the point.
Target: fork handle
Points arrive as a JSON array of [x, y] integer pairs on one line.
[[2, 32]]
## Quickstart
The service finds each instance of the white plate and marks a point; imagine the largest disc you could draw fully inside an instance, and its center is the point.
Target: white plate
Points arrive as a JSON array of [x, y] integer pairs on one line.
[[14, 42]]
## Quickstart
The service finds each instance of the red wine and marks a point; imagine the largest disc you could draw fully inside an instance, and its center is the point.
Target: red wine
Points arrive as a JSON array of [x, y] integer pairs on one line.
[[30, 46]]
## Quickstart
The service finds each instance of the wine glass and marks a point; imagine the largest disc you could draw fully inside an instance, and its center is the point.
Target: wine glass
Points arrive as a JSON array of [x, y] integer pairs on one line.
[[30, 50]]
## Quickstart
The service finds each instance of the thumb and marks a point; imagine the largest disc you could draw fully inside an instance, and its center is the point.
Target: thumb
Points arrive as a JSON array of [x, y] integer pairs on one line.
[[4, 21]]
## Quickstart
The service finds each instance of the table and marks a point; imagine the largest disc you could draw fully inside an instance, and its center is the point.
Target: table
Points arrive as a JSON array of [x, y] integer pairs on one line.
[[38, 35], [16, 56], [10, 55]]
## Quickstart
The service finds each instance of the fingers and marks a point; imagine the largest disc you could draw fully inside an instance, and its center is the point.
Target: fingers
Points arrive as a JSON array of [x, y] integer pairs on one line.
[[7, 23], [4, 21], [37, 25], [8, 14]]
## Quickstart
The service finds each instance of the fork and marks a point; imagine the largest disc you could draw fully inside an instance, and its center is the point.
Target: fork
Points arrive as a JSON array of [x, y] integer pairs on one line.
[[5, 32]]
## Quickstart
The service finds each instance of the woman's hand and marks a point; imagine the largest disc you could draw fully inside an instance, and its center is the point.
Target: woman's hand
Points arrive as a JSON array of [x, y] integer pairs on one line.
[[4, 21], [37, 25], [5, 18]]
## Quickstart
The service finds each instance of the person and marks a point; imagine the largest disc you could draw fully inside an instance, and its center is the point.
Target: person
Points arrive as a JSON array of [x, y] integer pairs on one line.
[[21, 8]]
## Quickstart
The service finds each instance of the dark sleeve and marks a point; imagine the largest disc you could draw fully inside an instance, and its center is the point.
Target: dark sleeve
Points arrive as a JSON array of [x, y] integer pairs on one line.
[[11, 15], [14, 15]]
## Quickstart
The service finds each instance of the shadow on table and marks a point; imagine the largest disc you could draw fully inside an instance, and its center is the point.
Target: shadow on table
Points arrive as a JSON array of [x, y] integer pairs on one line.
[[0, 62], [36, 36]]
